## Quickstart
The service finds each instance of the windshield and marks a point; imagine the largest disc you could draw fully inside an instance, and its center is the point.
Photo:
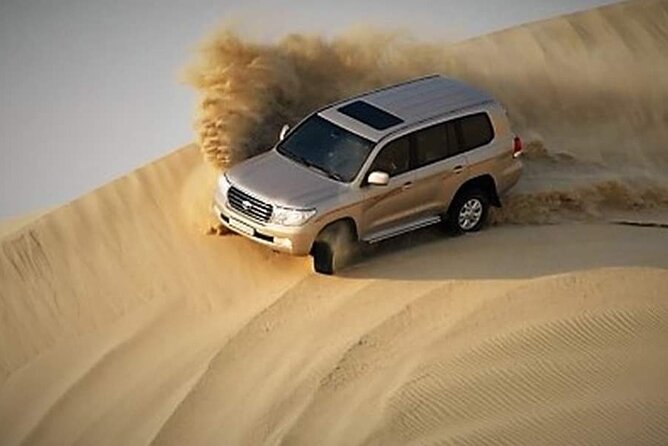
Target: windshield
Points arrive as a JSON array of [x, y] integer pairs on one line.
[[324, 146]]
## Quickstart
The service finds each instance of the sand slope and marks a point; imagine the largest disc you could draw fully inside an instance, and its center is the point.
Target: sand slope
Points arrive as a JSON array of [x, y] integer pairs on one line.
[[145, 329], [122, 323]]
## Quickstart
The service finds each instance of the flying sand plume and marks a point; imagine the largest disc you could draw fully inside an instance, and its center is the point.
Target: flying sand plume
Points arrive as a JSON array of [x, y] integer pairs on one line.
[[249, 90]]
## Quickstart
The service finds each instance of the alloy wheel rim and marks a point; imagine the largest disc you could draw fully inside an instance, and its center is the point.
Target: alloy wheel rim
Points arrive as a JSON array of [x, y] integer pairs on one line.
[[470, 214]]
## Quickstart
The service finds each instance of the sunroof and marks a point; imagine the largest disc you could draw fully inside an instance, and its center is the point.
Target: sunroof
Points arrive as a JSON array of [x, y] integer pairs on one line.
[[370, 115]]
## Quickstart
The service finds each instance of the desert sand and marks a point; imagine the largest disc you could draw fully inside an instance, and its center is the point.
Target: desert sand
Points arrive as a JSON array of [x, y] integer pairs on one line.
[[122, 323]]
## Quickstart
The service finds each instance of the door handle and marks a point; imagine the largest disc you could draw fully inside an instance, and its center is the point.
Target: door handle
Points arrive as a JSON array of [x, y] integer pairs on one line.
[[458, 169], [407, 186]]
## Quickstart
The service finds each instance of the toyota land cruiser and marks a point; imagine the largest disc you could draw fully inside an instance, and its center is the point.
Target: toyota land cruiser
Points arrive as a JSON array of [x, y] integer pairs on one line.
[[431, 150]]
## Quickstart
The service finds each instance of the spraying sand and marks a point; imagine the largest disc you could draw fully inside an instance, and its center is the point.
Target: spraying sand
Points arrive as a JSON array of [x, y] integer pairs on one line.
[[122, 323]]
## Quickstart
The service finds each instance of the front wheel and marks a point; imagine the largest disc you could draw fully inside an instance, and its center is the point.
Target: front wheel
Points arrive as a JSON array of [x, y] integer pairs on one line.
[[468, 212], [333, 249]]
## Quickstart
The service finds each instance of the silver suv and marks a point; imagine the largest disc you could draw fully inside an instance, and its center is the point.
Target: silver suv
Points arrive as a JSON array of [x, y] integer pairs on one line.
[[432, 150]]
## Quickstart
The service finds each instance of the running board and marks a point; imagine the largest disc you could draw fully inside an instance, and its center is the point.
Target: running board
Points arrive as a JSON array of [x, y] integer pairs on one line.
[[393, 232]]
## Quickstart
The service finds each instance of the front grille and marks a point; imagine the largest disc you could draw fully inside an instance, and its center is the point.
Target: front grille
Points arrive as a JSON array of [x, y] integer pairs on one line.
[[248, 205]]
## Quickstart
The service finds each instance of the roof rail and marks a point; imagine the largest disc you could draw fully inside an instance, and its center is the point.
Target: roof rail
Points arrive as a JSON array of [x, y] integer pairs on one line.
[[435, 118], [377, 90]]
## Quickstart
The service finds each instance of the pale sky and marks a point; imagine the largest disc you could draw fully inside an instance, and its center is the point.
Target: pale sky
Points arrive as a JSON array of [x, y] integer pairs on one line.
[[89, 89]]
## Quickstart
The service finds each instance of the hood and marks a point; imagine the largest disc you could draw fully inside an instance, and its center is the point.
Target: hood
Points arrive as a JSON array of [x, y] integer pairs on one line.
[[282, 181]]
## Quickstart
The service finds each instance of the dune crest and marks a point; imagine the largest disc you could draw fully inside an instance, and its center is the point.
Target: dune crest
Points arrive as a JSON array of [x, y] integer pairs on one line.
[[122, 323]]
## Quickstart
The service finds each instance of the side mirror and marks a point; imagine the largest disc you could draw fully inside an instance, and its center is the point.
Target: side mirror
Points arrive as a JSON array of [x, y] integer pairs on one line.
[[284, 131], [378, 178]]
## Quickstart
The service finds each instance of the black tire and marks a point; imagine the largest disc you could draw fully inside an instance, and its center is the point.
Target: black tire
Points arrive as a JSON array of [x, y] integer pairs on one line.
[[468, 212], [334, 248]]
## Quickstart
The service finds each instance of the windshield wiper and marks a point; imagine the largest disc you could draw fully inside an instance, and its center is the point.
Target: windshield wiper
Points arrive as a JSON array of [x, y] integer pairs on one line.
[[307, 163], [334, 175], [329, 173]]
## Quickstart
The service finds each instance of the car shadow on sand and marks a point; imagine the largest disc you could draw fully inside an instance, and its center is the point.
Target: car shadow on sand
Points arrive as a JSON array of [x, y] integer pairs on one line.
[[511, 252]]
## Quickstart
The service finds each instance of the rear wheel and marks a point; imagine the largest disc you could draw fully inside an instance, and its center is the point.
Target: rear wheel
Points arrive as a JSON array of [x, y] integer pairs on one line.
[[468, 212], [334, 248]]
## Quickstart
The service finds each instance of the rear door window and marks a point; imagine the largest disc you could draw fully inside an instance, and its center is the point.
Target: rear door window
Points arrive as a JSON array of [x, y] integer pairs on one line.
[[394, 158], [436, 143], [475, 131], [431, 145], [454, 147]]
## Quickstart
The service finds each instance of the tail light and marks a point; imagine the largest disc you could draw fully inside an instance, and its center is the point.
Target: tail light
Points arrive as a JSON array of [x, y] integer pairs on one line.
[[517, 146]]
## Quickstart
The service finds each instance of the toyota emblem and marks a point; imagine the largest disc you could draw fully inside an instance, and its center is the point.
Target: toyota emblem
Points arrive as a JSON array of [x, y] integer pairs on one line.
[[246, 205]]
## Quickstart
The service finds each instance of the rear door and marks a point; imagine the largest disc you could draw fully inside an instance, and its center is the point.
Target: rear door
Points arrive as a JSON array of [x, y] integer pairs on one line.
[[439, 168]]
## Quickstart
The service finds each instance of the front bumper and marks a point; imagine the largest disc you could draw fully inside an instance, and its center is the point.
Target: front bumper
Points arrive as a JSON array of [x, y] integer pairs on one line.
[[295, 240]]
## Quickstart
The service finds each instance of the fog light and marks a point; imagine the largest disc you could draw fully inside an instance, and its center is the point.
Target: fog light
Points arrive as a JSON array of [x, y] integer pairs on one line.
[[283, 242]]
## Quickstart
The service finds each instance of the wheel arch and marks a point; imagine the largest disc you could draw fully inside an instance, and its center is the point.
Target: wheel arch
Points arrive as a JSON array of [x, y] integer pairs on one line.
[[348, 221], [486, 183]]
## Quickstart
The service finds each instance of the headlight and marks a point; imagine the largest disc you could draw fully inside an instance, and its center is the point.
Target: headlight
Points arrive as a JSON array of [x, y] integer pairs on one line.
[[291, 217]]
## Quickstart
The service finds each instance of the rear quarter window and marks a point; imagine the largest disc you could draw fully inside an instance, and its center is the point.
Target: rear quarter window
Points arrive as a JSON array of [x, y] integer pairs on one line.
[[476, 130]]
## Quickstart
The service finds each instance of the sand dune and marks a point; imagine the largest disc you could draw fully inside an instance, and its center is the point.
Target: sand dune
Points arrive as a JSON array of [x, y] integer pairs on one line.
[[122, 323]]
